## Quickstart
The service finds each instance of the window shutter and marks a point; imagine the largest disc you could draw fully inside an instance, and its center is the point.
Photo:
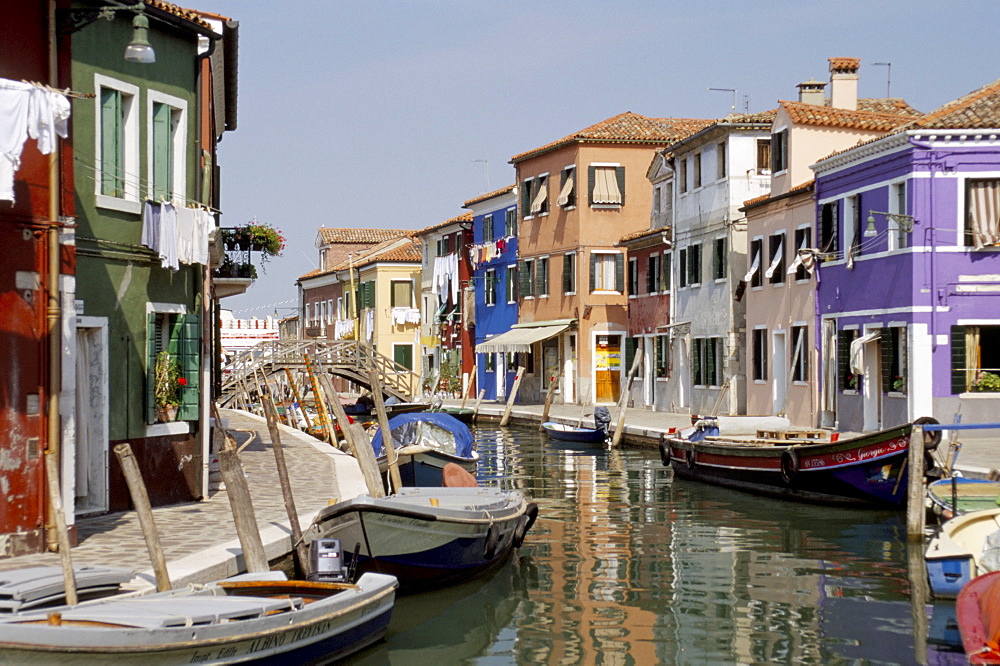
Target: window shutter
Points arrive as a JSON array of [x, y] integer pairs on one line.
[[620, 272], [591, 177], [958, 368], [162, 152], [525, 279], [630, 346], [567, 274], [526, 198], [150, 366], [886, 343], [696, 362], [188, 334], [665, 283], [843, 357], [710, 345], [371, 294], [593, 271], [620, 175], [111, 148], [650, 276]]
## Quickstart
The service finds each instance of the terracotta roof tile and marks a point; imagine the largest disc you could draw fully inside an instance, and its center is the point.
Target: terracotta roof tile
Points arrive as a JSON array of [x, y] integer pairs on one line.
[[372, 236], [488, 195], [390, 250], [186, 14], [756, 201], [464, 217], [811, 114], [645, 233], [980, 109], [625, 128], [851, 64], [892, 105]]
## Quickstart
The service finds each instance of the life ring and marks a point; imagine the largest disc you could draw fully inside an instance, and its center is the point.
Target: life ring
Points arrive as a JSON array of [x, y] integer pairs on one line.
[[689, 458], [492, 539], [931, 439], [524, 523], [789, 465]]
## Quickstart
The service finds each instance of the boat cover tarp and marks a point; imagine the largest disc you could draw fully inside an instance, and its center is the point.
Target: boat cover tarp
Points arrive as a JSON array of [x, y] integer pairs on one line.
[[439, 431]]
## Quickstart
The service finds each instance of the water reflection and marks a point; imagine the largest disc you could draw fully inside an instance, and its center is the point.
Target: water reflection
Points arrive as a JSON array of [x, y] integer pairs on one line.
[[628, 565]]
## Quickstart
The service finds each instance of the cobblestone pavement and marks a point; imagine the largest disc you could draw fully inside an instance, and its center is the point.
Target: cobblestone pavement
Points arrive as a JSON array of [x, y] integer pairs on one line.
[[186, 529]]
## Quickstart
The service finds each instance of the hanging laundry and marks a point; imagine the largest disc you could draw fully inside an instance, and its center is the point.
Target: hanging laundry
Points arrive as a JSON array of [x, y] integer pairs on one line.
[[159, 232], [185, 235], [27, 110]]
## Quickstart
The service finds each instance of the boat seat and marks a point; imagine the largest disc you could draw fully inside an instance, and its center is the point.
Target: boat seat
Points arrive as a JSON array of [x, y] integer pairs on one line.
[[182, 611]]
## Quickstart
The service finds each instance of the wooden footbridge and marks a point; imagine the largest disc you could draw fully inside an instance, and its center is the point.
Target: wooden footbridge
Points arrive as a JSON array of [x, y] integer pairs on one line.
[[350, 359]]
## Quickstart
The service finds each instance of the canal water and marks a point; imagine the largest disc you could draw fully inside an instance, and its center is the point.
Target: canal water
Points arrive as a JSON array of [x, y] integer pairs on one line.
[[629, 565]]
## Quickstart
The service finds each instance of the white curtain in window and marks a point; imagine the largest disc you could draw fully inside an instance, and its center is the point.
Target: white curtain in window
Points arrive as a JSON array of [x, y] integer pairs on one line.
[[858, 351], [984, 212], [567, 189], [540, 197], [779, 253], [972, 356], [606, 186], [754, 267]]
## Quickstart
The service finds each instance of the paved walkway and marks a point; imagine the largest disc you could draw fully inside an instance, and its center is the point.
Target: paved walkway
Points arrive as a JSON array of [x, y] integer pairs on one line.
[[199, 539]]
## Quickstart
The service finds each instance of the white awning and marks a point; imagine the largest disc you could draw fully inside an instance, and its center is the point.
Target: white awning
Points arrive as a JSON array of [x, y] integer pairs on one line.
[[753, 267], [539, 201], [606, 186], [566, 190], [519, 339]]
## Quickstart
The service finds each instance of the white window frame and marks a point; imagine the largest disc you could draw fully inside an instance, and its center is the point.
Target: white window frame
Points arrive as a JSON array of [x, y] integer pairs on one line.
[[130, 202], [179, 139], [895, 233], [613, 166], [599, 285], [490, 287]]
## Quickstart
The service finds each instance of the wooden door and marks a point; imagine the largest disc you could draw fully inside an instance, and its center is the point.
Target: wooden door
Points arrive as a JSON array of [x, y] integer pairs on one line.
[[607, 368]]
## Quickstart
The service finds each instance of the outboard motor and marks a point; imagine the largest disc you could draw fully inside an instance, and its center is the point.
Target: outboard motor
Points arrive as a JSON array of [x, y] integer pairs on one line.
[[326, 561], [602, 418]]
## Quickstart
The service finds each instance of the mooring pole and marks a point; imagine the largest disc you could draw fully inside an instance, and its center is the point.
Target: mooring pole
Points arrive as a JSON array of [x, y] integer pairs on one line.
[[513, 396], [915, 486]]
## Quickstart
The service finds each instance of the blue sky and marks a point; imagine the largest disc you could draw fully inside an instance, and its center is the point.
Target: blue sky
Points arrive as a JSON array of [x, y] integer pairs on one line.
[[392, 114]]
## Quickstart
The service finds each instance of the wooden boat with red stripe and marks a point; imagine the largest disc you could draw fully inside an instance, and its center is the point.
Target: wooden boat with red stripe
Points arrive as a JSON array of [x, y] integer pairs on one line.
[[978, 609], [868, 469]]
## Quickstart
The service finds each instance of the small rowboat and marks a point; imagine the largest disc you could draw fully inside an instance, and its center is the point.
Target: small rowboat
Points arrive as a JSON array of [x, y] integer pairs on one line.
[[253, 618], [569, 433], [969, 494], [965, 547], [978, 609]]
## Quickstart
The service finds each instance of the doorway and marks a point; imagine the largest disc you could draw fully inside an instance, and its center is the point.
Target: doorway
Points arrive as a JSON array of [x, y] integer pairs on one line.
[[91, 451], [779, 385], [607, 368]]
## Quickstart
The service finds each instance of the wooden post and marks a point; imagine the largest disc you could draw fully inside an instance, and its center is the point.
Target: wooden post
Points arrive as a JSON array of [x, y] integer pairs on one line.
[[915, 492], [479, 400], [623, 402], [917, 570], [324, 415], [513, 396], [62, 532], [297, 398], [359, 445], [548, 401], [271, 414], [467, 386], [143, 511], [383, 424], [241, 504]]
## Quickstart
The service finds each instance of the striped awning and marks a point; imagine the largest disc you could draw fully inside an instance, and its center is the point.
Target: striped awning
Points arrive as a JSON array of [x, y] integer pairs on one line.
[[519, 339]]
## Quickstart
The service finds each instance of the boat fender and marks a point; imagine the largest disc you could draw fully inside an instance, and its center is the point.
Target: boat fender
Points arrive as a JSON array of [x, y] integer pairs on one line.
[[789, 465], [492, 539], [665, 453], [931, 439], [524, 523], [689, 458]]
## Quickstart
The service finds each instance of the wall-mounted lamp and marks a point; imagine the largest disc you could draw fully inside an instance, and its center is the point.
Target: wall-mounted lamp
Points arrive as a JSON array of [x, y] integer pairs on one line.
[[138, 50], [904, 222]]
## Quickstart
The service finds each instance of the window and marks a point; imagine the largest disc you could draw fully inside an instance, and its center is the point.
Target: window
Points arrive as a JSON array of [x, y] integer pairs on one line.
[[490, 294], [682, 272], [696, 169], [755, 275], [897, 204], [759, 350], [828, 237], [542, 276], [567, 188], [719, 259], [168, 144], [178, 334], [657, 198], [526, 270], [720, 160], [763, 156], [694, 265], [488, 234], [569, 273], [661, 352], [489, 362], [852, 224], [117, 145], [776, 251], [682, 175], [893, 362], [975, 358], [779, 151], [607, 271], [402, 354], [665, 280], [803, 237], [706, 363], [402, 294], [511, 222], [607, 185], [511, 283], [654, 274], [800, 353], [982, 218], [441, 247], [847, 380], [633, 276], [535, 196]]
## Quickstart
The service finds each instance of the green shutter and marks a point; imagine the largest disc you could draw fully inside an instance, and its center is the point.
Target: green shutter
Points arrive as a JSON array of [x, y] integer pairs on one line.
[[112, 157], [186, 339], [591, 179], [843, 357], [371, 294], [525, 278], [620, 272], [710, 349], [403, 355], [886, 344], [150, 366], [620, 175], [696, 362], [526, 198], [665, 284], [958, 367], [630, 346], [593, 271], [162, 152]]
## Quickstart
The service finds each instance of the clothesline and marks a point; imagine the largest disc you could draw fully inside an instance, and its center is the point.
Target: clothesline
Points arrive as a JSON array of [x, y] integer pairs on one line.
[[66, 91], [138, 181]]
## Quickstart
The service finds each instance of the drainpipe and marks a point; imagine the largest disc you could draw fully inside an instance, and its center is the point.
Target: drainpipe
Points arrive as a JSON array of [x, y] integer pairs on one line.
[[931, 155]]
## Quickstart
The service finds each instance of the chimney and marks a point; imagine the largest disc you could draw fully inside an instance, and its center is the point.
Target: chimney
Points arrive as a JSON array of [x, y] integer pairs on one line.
[[844, 83], [812, 92]]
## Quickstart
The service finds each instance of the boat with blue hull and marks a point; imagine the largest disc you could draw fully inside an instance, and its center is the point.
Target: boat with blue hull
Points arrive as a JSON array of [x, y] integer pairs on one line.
[[427, 536], [865, 470], [425, 442], [579, 435], [965, 547]]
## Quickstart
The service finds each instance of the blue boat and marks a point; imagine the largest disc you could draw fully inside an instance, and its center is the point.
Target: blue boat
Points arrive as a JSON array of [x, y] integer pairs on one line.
[[578, 434], [425, 442], [967, 546]]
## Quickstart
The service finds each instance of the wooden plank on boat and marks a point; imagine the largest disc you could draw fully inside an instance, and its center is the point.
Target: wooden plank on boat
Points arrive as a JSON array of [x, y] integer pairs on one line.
[[783, 435]]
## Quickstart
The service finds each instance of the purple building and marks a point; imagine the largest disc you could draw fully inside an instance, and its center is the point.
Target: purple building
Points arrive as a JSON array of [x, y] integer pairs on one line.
[[908, 295]]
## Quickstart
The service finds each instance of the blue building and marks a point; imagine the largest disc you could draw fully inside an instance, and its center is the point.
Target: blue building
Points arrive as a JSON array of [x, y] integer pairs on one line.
[[494, 277]]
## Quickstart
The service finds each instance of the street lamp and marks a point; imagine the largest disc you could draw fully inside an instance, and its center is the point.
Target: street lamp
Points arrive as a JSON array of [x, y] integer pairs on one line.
[[139, 50], [904, 222]]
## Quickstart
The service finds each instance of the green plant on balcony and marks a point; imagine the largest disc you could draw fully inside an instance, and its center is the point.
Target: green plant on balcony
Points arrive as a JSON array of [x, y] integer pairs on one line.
[[986, 381], [258, 236], [231, 269], [899, 383], [167, 386]]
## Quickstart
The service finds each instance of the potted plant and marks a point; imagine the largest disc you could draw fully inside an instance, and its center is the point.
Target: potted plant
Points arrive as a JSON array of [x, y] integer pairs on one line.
[[167, 385], [899, 383], [263, 238], [986, 381]]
